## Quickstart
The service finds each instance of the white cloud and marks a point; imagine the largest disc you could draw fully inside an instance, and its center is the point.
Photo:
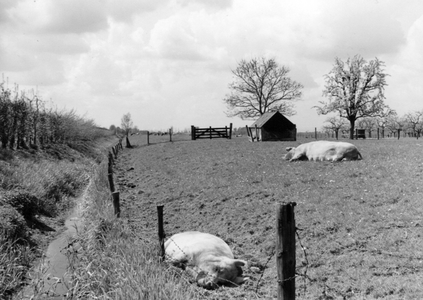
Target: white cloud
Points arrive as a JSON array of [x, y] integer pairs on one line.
[[405, 89], [173, 57], [126, 10]]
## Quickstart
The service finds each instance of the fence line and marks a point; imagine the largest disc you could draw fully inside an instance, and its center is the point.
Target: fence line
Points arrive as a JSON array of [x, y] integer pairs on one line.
[[115, 194], [169, 132], [378, 133]]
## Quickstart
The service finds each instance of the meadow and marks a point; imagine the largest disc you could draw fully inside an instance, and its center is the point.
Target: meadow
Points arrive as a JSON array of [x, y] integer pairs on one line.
[[359, 222]]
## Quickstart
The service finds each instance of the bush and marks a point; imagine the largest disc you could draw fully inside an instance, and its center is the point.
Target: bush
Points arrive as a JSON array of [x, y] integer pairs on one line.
[[27, 205], [12, 225]]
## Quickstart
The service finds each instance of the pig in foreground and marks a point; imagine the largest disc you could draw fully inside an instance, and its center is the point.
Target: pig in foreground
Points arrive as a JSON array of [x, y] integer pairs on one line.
[[205, 256]]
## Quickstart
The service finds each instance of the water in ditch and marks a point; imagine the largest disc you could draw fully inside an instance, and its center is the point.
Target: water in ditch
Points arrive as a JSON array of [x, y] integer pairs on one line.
[[52, 278]]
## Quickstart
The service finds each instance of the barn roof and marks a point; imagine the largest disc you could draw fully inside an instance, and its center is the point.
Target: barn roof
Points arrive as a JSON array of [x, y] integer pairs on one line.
[[267, 116]]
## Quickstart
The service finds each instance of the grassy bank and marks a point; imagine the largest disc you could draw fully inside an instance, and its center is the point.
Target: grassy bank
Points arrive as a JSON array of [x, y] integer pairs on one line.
[[37, 189]]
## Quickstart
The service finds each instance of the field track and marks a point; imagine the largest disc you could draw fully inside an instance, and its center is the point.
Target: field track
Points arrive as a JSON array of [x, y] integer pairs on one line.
[[360, 222]]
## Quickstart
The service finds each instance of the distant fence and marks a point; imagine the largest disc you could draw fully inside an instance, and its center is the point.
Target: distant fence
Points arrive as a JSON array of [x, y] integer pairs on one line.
[[161, 133], [359, 134], [211, 132]]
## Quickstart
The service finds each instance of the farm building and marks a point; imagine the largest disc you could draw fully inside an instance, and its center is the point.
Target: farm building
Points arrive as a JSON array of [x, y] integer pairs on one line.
[[272, 126]]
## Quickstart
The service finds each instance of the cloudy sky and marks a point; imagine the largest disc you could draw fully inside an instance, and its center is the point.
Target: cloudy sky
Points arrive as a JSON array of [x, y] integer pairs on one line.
[[168, 62]]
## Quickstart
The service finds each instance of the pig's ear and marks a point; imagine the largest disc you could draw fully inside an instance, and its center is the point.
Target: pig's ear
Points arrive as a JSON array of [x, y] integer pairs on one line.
[[289, 148], [240, 262]]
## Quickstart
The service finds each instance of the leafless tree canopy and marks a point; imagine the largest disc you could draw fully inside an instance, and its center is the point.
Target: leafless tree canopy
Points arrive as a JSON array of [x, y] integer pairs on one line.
[[355, 89], [126, 123], [259, 86], [414, 121], [335, 123]]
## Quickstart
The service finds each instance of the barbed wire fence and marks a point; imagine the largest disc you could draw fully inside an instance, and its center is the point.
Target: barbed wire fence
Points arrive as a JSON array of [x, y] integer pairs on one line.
[[197, 273]]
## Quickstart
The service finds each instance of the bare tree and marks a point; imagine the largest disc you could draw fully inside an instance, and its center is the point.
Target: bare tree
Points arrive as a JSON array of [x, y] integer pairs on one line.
[[335, 124], [414, 121], [127, 124], [355, 90], [259, 86], [368, 123], [395, 124], [383, 119]]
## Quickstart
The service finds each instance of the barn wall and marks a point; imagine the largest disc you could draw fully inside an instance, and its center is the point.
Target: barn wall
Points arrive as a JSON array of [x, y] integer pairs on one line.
[[279, 135], [276, 128], [279, 129]]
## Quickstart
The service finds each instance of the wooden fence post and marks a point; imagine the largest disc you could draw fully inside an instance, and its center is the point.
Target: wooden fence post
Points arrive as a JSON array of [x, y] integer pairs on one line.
[[112, 185], [248, 131], [285, 251], [315, 133], [170, 134], [116, 203], [230, 130], [192, 133], [161, 231], [148, 138], [114, 152], [111, 162]]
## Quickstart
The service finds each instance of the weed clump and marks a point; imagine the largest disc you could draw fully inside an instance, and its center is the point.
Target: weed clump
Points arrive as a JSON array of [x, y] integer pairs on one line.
[[13, 226], [26, 204]]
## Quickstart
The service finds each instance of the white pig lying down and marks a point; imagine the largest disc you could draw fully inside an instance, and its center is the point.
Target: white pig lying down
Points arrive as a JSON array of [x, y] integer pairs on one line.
[[323, 150], [205, 256]]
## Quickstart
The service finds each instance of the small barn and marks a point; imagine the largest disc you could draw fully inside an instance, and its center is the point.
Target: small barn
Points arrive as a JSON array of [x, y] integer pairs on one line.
[[272, 126]]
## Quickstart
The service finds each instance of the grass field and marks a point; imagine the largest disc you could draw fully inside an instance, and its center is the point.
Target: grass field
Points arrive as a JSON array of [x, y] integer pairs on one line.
[[360, 222]]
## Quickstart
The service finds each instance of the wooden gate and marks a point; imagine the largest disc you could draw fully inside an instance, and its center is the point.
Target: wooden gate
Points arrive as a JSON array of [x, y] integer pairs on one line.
[[211, 132]]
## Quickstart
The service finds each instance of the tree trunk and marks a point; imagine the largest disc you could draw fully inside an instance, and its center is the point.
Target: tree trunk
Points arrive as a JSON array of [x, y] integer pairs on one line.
[[352, 129], [128, 144]]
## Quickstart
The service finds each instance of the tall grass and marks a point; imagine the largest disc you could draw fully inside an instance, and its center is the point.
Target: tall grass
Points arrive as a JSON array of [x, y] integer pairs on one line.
[[46, 158], [14, 262], [29, 188], [48, 180]]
